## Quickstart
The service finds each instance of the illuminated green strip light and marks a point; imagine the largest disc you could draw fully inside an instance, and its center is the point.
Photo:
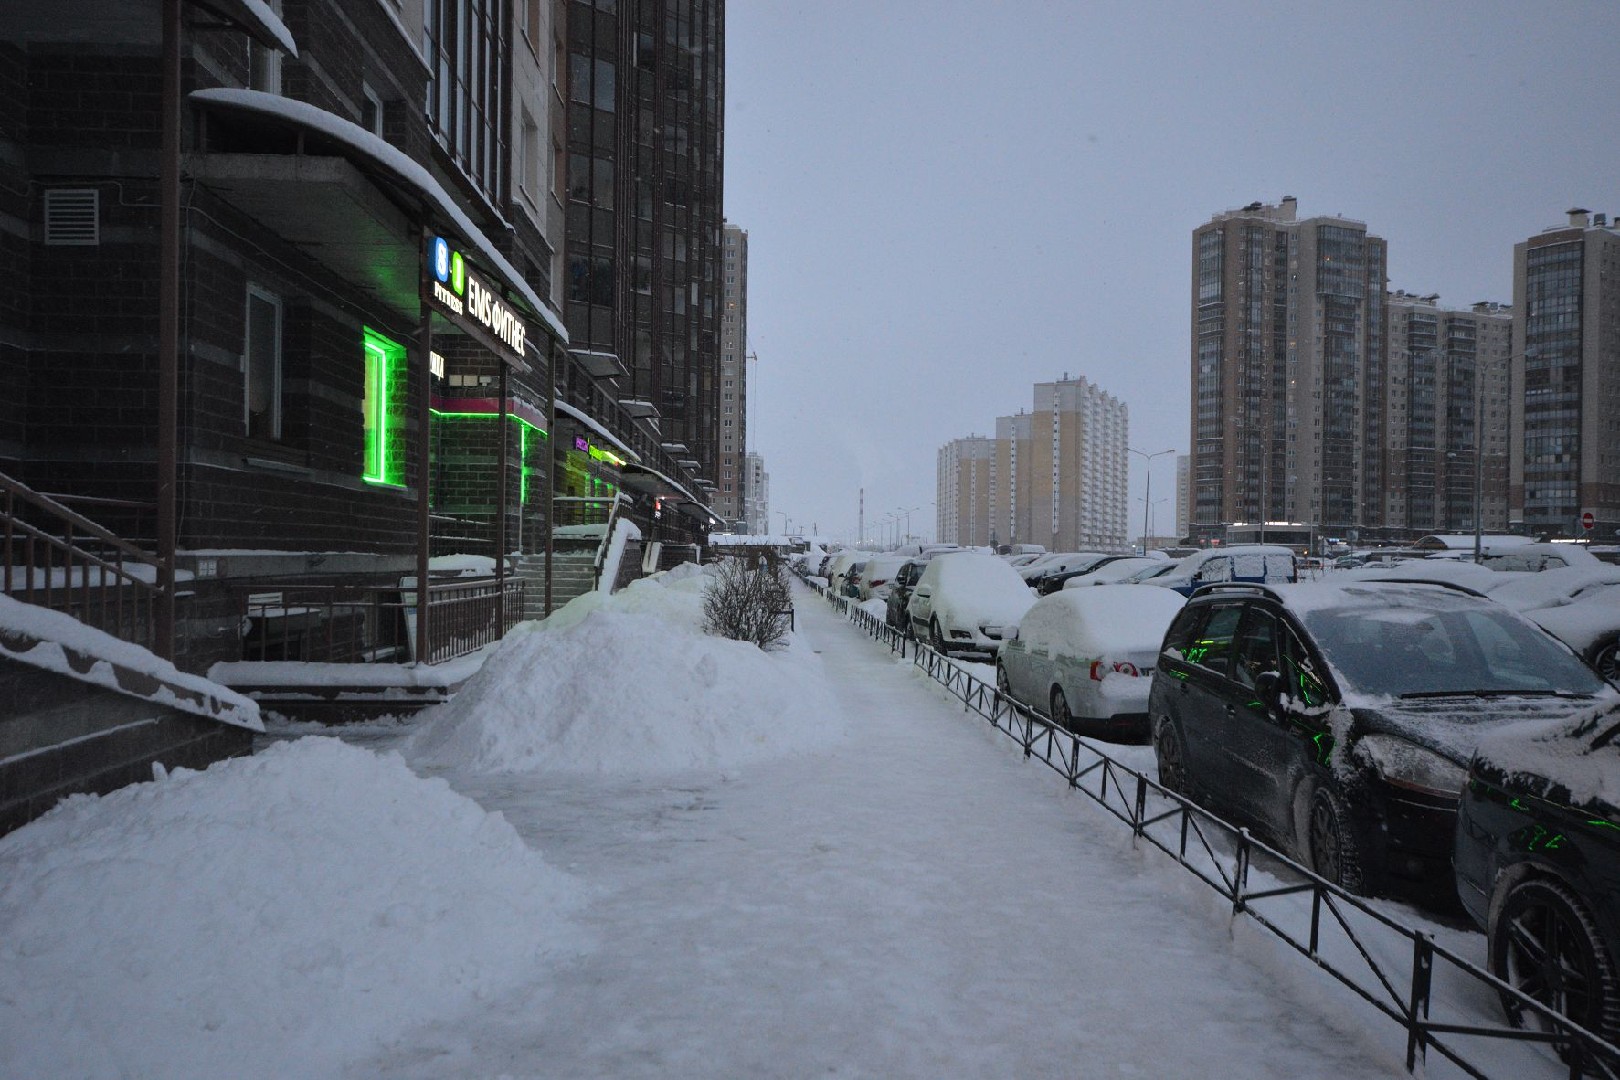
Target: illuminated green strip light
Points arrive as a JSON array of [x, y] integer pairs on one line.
[[382, 356], [524, 427]]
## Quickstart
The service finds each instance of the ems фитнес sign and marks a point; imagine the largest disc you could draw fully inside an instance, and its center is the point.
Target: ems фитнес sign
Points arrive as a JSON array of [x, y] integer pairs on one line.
[[468, 300]]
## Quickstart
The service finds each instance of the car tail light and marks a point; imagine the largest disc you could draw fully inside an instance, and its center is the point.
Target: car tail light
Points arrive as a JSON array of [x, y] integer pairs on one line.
[[1100, 668], [875, 582]]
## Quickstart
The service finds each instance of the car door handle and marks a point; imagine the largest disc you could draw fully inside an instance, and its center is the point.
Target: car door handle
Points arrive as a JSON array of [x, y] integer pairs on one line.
[[1230, 711]]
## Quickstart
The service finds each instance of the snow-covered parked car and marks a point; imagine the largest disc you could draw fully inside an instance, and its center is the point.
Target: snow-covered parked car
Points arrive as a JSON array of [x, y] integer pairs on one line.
[[1255, 564], [878, 577], [1538, 865], [1338, 719], [1116, 571], [1537, 557], [1085, 657], [967, 601], [1578, 605]]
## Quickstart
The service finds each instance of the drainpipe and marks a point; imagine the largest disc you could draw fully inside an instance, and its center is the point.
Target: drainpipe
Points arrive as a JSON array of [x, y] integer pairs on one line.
[[168, 334]]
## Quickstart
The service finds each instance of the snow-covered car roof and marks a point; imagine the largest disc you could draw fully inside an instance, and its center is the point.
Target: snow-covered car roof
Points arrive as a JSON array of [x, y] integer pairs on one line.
[[1101, 620], [1450, 571], [1115, 572], [979, 583]]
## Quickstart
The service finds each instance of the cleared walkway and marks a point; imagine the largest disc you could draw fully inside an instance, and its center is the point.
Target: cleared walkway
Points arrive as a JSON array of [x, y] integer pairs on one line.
[[917, 903]]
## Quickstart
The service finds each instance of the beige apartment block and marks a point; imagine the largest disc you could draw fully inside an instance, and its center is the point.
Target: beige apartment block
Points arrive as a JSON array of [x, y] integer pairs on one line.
[[1010, 482], [962, 508], [1078, 467]]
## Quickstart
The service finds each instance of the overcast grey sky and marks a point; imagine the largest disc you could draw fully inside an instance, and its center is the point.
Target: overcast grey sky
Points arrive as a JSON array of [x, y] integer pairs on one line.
[[948, 200]]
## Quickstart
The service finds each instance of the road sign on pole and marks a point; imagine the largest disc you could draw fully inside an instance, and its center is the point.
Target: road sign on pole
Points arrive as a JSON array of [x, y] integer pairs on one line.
[[1588, 521]]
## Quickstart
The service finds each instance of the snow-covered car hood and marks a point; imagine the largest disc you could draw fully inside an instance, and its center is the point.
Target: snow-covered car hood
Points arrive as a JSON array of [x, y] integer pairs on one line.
[[1455, 726]]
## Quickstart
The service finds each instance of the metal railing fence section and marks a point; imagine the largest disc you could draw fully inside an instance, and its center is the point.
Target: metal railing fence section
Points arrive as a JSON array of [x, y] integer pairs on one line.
[[1391, 967]]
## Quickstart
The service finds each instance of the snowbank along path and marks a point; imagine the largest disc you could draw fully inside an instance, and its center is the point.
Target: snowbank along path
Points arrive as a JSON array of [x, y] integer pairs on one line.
[[912, 901]]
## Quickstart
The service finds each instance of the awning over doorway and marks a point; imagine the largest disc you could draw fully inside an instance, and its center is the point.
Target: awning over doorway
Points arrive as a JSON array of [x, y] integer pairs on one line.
[[306, 194]]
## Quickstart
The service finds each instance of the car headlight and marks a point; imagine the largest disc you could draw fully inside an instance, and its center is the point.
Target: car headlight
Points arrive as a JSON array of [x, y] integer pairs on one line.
[[1410, 766]]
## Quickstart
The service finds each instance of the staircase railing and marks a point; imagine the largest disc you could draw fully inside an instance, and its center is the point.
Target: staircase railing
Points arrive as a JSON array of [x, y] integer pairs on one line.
[[59, 559]]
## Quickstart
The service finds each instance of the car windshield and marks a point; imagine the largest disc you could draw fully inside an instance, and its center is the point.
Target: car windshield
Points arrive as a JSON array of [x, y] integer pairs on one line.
[[1405, 648]]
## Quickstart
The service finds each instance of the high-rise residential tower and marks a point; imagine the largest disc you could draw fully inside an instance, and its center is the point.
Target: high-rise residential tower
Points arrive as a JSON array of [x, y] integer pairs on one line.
[[1011, 479], [1078, 468], [1287, 364], [963, 489], [731, 498], [1564, 458], [646, 94], [1447, 387], [757, 496]]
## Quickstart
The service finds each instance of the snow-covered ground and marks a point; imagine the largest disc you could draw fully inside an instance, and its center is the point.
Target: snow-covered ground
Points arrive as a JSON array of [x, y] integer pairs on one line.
[[628, 850]]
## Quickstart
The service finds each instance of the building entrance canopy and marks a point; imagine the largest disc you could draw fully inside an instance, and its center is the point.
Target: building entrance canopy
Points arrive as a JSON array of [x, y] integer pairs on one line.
[[350, 198]]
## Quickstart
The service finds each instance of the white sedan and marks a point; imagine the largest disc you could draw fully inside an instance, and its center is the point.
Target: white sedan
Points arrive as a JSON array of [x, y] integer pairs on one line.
[[1084, 657]]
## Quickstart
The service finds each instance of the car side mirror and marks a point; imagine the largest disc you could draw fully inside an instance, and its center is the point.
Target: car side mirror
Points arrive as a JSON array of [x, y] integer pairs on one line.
[[1268, 688]]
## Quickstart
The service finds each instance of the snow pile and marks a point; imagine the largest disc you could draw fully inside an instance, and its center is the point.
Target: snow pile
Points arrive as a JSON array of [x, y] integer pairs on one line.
[[569, 694], [273, 916]]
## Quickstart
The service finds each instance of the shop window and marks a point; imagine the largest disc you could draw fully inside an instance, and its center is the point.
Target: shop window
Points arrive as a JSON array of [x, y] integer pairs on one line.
[[385, 370], [261, 360]]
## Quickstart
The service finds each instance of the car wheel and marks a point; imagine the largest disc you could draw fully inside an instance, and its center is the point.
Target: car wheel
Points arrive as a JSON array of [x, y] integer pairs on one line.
[[1172, 759], [1545, 945], [1003, 684], [1606, 661], [1060, 714], [935, 638], [1332, 845]]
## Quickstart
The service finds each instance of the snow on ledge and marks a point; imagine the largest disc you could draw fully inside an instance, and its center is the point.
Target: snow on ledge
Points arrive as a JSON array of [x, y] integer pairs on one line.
[[54, 641], [383, 153]]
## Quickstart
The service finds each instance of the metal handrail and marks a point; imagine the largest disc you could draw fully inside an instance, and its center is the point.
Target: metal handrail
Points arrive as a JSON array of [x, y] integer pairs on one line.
[[100, 590], [1398, 963]]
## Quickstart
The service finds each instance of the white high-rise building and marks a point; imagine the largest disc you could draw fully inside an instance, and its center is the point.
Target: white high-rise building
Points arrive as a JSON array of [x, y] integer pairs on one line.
[[756, 494]]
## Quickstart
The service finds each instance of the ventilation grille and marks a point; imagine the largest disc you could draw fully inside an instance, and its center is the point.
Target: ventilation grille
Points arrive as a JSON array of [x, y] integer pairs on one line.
[[73, 216]]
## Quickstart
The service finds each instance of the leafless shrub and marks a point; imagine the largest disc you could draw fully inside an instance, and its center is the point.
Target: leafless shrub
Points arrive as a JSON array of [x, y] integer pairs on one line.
[[749, 601]]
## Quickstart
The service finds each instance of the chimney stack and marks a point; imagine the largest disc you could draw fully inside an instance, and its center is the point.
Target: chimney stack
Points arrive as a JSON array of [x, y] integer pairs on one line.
[[1577, 218]]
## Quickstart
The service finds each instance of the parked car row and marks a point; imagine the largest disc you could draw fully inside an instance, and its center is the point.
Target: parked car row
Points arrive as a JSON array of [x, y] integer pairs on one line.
[[1418, 731]]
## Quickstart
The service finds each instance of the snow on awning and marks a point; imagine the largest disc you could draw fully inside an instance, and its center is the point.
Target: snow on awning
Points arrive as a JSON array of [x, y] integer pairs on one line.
[[638, 408], [598, 364], [372, 153], [596, 426], [254, 18]]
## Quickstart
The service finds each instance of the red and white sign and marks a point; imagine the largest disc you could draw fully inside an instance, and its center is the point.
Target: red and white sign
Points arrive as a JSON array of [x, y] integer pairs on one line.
[[1588, 521]]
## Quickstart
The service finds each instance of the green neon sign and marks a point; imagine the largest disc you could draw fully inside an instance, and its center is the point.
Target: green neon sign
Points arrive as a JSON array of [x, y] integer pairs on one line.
[[383, 357]]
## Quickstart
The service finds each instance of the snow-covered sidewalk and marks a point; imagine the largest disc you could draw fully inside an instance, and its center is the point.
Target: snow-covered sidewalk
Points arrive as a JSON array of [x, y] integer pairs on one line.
[[913, 902]]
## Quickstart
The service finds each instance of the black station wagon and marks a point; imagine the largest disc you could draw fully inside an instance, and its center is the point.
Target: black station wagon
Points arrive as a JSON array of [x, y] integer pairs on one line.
[[1337, 720]]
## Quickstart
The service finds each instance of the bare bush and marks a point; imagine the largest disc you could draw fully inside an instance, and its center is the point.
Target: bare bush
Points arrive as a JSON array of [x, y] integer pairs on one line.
[[749, 602]]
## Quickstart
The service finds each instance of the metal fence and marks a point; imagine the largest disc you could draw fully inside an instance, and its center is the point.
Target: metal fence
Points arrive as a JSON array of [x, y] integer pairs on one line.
[[357, 625], [1434, 994]]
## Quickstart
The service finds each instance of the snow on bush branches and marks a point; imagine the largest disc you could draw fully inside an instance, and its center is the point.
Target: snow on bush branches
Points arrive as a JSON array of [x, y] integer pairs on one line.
[[749, 601]]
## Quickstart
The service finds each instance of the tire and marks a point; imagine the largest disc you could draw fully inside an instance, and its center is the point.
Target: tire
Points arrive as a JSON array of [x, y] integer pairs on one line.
[[1060, 714], [937, 639], [1331, 842], [1171, 756], [1545, 945], [1003, 684], [1606, 661]]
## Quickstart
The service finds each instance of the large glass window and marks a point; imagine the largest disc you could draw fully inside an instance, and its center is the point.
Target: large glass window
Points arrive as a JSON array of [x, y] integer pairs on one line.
[[465, 41]]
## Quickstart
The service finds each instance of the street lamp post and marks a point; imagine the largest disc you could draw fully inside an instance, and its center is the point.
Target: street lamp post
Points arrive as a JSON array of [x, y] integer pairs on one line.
[[1148, 494]]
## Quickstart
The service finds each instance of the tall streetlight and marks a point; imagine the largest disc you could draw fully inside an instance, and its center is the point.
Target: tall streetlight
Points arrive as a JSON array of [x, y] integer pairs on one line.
[[1147, 495]]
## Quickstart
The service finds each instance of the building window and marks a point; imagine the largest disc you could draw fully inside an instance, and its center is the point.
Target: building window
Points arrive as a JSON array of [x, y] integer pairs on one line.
[[385, 367], [528, 154], [261, 359], [465, 44]]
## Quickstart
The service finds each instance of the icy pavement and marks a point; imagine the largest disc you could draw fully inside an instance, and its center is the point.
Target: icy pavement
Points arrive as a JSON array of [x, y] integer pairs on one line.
[[914, 902]]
